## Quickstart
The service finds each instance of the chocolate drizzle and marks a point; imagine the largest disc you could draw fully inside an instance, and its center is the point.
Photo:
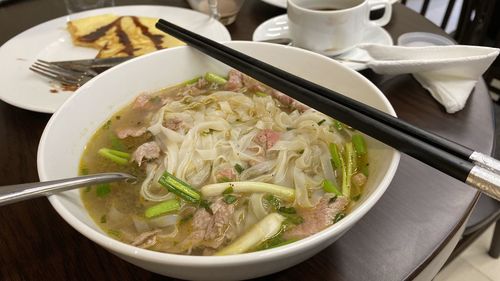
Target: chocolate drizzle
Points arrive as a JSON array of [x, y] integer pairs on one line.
[[100, 32], [156, 39], [123, 38]]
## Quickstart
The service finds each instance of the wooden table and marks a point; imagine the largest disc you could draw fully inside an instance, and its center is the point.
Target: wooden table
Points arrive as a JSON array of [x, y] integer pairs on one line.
[[409, 233]]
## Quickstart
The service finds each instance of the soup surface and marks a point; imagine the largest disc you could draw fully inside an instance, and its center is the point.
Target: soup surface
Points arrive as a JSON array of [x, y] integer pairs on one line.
[[226, 165]]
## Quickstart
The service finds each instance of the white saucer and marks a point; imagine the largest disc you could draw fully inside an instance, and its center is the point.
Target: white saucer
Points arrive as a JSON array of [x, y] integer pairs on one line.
[[277, 27], [282, 3], [51, 41]]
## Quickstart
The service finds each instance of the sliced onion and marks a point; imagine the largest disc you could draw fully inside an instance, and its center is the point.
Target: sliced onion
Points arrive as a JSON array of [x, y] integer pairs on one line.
[[164, 221], [141, 225], [255, 204]]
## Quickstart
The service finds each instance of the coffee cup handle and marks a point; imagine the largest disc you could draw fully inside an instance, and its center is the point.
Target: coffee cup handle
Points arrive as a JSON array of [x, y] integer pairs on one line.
[[387, 11]]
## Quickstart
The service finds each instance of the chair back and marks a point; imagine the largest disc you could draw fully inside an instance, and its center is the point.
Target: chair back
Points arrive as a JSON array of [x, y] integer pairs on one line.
[[447, 13]]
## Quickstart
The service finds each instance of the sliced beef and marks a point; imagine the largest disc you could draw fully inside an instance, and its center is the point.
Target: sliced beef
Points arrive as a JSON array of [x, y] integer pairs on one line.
[[234, 81], [288, 101], [145, 102], [173, 124], [267, 138], [207, 229], [252, 84], [318, 217], [122, 133], [146, 239], [149, 150]]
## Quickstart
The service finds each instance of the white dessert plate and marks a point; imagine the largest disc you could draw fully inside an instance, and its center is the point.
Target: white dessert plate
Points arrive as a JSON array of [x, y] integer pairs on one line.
[[277, 27], [50, 41]]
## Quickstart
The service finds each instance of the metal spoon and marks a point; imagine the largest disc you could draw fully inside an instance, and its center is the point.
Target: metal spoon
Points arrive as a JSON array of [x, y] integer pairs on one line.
[[18, 192]]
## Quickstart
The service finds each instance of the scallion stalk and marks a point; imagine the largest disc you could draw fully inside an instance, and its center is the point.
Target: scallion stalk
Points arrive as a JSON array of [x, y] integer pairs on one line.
[[349, 169], [216, 189], [119, 157], [214, 78], [329, 186], [334, 153], [268, 227], [162, 208], [180, 188], [359, 144]]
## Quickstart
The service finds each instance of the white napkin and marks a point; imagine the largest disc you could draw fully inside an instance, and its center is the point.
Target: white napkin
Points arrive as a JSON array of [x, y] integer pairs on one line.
[[449, 73]]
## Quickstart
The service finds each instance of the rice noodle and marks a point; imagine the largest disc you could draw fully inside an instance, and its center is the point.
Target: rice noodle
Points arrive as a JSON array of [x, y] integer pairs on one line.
[[215, 131]]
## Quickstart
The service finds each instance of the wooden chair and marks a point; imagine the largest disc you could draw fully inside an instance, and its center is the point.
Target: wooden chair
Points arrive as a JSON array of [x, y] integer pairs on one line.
[[447, 13], [477, 27]]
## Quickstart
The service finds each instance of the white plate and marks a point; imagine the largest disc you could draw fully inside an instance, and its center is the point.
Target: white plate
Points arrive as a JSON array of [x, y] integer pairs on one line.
[[51, 41], [277, 27], [282, 3]]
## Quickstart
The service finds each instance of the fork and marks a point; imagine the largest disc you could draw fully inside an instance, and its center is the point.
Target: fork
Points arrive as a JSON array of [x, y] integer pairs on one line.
[[61, 74]]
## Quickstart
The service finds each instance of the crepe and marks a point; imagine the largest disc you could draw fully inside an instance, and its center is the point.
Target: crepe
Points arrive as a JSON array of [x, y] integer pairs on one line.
[[119, 36]]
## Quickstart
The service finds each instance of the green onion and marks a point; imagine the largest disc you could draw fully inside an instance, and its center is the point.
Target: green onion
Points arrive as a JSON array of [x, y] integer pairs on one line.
[[359, 144], [274, 242], [116, 233], [216, 189], [364, 169], [190, 81], [228, 190], [162, 208], [214, 78], [338, 125], [107, 125], [268, 227], [338, 217], [223, 179], [349, 169], [179, 188], [329, 186], [321, 122], [206, 205], [208, 132], [229, 199], [292, 219], [102, 190], [273, 202], [260, 94], [116, 143], [287, 210], [239, 168], [119, 157], [334, 153]]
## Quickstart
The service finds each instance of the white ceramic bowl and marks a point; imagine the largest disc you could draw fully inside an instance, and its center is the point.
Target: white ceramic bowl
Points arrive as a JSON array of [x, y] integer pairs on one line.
[[70, 128]]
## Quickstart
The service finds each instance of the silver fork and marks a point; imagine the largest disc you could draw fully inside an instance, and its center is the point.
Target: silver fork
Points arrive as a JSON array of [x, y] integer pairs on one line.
[[61, 74]]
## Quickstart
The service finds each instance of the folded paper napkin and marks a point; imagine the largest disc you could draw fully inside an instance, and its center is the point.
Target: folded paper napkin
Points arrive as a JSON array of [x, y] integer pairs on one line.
[[449, 73]]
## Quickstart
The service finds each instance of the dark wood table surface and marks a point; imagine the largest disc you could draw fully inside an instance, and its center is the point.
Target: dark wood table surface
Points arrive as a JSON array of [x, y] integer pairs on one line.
[[409, 233]]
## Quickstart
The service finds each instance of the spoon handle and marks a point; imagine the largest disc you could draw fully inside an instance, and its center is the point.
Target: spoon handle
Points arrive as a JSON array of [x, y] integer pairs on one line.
[[14, 193]]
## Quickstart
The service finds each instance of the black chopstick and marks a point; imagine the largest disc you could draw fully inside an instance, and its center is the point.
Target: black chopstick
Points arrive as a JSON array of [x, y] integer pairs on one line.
[[322, 99], [445, 144]]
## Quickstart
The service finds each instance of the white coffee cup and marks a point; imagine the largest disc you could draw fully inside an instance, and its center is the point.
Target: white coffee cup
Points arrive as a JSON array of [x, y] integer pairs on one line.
[[332, 27]]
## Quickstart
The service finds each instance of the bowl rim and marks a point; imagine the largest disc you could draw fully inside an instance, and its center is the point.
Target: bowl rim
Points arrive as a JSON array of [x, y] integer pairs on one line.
[[301, 245]]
